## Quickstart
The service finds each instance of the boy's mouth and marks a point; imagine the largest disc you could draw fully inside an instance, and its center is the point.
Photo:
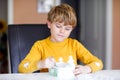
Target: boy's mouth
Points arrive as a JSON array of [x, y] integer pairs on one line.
[[61, 35]]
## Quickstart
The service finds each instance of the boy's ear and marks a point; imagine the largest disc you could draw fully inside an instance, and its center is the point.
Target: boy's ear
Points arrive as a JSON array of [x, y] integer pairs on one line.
[[49, 24]]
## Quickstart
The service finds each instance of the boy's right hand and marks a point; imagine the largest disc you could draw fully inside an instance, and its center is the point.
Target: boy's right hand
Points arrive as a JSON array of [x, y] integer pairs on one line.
[[47, 63]]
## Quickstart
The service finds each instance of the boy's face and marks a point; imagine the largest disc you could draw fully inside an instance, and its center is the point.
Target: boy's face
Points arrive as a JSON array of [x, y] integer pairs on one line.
[[59, 31]]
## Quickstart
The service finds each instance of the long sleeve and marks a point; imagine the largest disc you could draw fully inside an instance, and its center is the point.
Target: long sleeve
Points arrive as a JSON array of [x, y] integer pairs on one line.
[[29, 64], [88, 58]]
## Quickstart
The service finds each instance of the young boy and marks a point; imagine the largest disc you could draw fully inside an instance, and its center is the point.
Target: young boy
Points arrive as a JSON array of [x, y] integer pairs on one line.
[[45, 53]]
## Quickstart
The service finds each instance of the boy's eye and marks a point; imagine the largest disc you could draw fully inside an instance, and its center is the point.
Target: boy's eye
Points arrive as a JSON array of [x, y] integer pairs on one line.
[[58, 26], [67, 29]]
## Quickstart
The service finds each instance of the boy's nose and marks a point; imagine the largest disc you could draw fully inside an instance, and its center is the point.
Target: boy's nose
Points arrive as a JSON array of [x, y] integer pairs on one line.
[[62, 30]]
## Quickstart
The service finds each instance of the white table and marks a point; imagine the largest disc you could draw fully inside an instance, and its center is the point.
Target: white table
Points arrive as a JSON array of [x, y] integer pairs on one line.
[[100, 75]]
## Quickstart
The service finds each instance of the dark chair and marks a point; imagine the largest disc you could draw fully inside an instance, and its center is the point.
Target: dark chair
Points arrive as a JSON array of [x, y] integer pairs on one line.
[[21, 38]]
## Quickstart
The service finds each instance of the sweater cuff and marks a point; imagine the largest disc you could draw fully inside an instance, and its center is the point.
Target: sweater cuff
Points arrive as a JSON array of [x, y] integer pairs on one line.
[[95, 66]]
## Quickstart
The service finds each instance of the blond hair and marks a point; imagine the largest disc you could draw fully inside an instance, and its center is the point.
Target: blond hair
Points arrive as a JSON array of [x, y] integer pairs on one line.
[[63, 13]]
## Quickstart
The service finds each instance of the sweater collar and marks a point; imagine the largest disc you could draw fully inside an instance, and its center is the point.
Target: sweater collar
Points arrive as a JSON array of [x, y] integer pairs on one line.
[[56, 43]]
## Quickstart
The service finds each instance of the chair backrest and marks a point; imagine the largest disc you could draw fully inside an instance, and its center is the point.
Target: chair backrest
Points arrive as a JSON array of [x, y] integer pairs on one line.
[[21, 38]]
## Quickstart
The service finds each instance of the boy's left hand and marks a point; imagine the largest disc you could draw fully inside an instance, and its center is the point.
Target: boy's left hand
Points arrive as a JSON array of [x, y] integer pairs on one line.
[[80, 69]]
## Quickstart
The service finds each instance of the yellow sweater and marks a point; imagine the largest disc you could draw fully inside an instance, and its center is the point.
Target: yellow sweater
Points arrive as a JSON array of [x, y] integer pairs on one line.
[[69, 47]]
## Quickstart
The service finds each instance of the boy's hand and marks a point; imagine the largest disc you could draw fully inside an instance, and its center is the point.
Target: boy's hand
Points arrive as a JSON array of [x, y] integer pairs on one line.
[[47, 63], [79, 69]]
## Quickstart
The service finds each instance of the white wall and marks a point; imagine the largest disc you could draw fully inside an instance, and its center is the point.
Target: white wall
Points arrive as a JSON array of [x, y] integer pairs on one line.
[[10, 11]]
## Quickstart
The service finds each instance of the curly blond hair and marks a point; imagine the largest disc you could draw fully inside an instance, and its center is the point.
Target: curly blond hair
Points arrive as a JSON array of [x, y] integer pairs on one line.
[[63, 13]]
